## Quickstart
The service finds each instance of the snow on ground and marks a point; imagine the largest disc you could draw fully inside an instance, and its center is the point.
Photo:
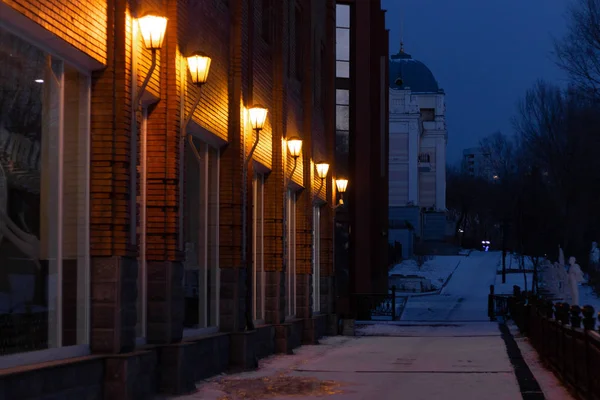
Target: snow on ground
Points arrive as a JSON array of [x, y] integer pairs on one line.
[[512, 262], [512, 279], [464, 298], [586, 292], [551, 386], [437, 269]]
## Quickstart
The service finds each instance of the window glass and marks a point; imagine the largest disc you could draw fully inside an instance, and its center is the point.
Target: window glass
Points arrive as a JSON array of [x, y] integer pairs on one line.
[[44, 229], [201, 202], [342, 41], [342, 16]]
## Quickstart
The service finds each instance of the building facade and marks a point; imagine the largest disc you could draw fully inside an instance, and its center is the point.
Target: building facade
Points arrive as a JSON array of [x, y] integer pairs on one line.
[[477, 163], [418, 138], [153, 233], [361, 144]]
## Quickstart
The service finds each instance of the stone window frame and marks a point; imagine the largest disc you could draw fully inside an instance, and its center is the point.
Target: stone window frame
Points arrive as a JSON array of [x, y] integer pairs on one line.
[[62, 54]]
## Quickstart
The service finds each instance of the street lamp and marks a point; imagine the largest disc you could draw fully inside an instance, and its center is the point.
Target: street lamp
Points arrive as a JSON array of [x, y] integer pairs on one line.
[[152, 29], [341, 185], [322, 169], [199, 66], [258, 117], [294, 145]]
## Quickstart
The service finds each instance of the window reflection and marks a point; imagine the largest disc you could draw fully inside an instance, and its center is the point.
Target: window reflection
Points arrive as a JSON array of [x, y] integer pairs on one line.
[[44, 123], [342, 15], [201, 236]]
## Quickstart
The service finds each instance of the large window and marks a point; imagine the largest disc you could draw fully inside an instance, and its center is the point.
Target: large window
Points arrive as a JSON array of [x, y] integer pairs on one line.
[[299, 42], [201, 231], [342, 93], [342, 39], [141, 197], [316, 257], [44, 201], [290, 271], [258, 263]]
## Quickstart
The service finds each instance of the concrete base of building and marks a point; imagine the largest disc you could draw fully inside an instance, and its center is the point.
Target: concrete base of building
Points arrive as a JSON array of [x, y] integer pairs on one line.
[[168, 369]]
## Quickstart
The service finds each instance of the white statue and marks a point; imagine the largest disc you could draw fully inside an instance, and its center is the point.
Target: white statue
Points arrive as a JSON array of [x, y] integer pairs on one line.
[[557, 280], [575, 277], [594, 256]]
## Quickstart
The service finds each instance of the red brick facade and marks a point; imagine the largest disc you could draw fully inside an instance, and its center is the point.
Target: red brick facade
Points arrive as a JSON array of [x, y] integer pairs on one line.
[[277, 53]]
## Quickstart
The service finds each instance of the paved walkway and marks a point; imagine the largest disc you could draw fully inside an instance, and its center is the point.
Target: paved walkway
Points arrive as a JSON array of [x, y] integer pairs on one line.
[[444, 348], [469, 361], [465, 296]]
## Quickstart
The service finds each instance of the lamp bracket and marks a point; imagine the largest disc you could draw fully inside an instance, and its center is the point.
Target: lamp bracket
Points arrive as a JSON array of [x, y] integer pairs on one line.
[[142, 89]]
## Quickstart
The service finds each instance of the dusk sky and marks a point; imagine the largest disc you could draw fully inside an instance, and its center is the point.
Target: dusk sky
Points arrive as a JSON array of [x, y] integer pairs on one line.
[[484, 54]]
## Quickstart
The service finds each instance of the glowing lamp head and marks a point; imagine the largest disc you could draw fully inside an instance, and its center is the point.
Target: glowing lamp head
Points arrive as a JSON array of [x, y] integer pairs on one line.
[[199, 66], [341, 185], [322, 169], [294, 146], [153, 30], [258, 117]]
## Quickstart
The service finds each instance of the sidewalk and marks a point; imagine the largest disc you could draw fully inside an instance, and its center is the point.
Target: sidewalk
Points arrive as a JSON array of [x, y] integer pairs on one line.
[[457, 361]]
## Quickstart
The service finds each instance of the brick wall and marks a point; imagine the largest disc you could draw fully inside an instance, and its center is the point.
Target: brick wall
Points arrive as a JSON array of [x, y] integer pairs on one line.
[[83, 24]]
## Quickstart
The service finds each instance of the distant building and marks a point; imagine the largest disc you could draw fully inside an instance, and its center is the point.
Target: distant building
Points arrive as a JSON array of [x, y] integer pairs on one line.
[[477, 163], [417, 151]]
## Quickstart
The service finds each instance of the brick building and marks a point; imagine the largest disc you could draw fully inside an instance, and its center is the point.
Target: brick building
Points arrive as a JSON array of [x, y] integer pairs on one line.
[[149, 236], [362, 142]]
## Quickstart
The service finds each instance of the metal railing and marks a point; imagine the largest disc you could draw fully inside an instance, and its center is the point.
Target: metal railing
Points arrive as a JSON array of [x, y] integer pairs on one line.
[[378, 306], [566, 338]]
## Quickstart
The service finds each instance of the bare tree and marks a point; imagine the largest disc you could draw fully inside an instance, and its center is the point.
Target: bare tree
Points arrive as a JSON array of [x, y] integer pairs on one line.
[[578, 52]]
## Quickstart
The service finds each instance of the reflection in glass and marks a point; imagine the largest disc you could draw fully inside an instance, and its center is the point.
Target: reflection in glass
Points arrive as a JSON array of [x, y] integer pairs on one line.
[[316, 275], [342, 69], [342, 44], [342, 118], [290, 272], [201, 236], [38, 221], [342, 97], [342, 15], [24, 289], [258, 246]]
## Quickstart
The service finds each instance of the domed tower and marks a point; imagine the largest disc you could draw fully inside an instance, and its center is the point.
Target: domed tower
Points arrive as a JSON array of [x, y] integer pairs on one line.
[[408, 73], [417, 149]]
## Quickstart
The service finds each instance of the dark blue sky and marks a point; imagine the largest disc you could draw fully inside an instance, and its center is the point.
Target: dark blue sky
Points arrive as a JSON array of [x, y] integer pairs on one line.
[[484, 53]]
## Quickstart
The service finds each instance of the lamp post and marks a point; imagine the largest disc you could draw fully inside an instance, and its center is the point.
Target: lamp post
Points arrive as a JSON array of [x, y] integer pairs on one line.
[[152, 28], [257, 116]]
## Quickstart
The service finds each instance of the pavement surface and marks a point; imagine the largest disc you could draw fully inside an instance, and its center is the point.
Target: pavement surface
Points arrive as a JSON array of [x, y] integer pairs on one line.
[[444, 348], [461, 366], [465, 296]]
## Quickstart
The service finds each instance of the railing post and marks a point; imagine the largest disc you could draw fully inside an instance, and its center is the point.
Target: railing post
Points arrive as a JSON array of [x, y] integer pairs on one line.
[[393, 302], [575, 317], [491, 308], [589, 322]]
